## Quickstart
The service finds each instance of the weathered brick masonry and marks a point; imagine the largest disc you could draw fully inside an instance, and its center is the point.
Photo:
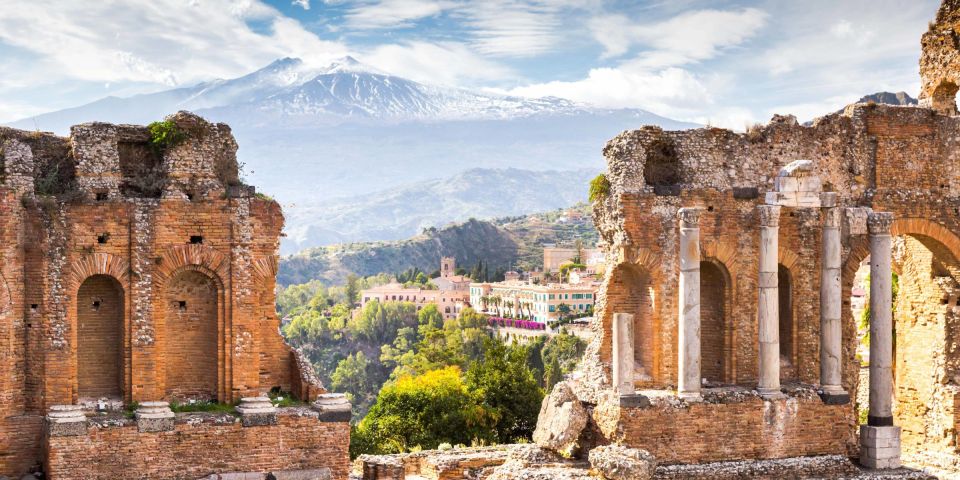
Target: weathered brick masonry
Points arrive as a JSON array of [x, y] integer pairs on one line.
[[133, 275], [896, 159], [298, 441]]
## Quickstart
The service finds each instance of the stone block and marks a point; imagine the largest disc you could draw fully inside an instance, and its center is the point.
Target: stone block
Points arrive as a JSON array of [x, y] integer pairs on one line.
[[835, 398], [315, 474], [66, 421], [879, 447], [617, 462], [257, 411], [635, 400], [561, 421], [154, 417], [333, 407]]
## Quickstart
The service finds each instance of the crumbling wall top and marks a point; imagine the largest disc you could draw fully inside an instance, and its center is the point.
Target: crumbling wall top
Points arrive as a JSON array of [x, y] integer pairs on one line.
[[940, 60]]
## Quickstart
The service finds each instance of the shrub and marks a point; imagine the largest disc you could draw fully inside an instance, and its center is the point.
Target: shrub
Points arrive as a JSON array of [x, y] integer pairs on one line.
[[164, 135], [599, 188]]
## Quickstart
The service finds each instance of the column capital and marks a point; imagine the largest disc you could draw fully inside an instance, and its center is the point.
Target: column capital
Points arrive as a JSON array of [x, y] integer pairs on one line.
[[689, 217], [828, 199], [769, 215], [878, 223], [831, 217]]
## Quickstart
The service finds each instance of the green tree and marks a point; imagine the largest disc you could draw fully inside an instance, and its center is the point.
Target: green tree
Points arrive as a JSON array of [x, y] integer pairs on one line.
[[351, 376], [507, 389], [430, 315], [552, 374], [423, 411], [352, 289]]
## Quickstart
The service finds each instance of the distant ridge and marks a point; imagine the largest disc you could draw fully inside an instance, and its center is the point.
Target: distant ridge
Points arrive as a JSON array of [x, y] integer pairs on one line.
[[356, 154]]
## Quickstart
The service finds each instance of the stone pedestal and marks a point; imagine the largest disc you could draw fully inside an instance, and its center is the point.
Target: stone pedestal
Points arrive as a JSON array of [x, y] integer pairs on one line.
[[66, 420], [333, 407], [257, 411], [879, 447], [688, 378], [623, 354], [831, 304], [154, 417], [768, 303]]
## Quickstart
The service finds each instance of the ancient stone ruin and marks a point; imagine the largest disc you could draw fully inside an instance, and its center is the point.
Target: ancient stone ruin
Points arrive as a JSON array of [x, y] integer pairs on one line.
[[138, 273], [725, 343]]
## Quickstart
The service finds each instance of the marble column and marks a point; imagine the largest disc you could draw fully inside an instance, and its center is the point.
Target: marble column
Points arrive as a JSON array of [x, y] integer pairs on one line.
[[879, 439], [832, 391], [623, 361], [688, 378], [768, 302]]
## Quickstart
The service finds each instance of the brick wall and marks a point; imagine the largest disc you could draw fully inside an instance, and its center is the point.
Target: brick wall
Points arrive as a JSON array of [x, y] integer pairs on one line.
[[192, 327], [713, 302], [113, 241], [99, 337], [197, 449], [742, 429]]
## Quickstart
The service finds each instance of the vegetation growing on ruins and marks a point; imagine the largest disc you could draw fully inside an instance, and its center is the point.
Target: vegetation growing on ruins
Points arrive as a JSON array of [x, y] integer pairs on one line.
[[165, 134], [599, 188]]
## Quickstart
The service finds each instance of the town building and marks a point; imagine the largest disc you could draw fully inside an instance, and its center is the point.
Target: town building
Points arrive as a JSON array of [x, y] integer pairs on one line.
[[554, 257], [516, 299], [451, 296]]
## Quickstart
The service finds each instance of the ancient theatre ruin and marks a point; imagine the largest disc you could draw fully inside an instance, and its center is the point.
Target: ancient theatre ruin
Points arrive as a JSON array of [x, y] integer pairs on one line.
[[134, 276]]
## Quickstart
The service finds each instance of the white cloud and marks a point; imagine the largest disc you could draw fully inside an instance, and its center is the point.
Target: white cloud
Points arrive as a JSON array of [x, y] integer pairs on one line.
[[513, 28], [394, 13], [155, 41], [688, 37], [447, 63], [672, 91], [304, 4]]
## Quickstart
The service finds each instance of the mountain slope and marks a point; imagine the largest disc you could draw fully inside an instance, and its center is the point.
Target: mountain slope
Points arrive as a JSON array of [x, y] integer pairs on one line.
[[313, 135], [502, 243], [403, 212]]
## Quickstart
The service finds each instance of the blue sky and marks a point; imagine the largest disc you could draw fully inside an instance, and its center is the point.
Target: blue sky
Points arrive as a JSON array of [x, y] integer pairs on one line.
[[727, 63]]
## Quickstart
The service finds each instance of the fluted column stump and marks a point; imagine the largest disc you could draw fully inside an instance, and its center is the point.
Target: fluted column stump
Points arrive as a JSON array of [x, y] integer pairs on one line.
[[768, 303], [880, 439], [831, 304], [688, 378]]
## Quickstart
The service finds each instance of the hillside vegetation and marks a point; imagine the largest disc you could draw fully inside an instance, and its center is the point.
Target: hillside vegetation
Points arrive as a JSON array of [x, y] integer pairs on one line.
[[502, 243]]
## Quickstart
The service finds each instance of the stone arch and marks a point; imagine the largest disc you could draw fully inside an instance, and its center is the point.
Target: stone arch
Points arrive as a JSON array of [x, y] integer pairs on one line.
[[661, 166], [636, 296], [717, 335], [98, 264], [103, 266], [943, 99], [926, 325], [100, 320], [788, 265], [193, 320]]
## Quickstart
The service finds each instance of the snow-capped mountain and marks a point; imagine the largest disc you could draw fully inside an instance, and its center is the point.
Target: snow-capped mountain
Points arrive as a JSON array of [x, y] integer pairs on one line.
[[310, 134], [294, 93]]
